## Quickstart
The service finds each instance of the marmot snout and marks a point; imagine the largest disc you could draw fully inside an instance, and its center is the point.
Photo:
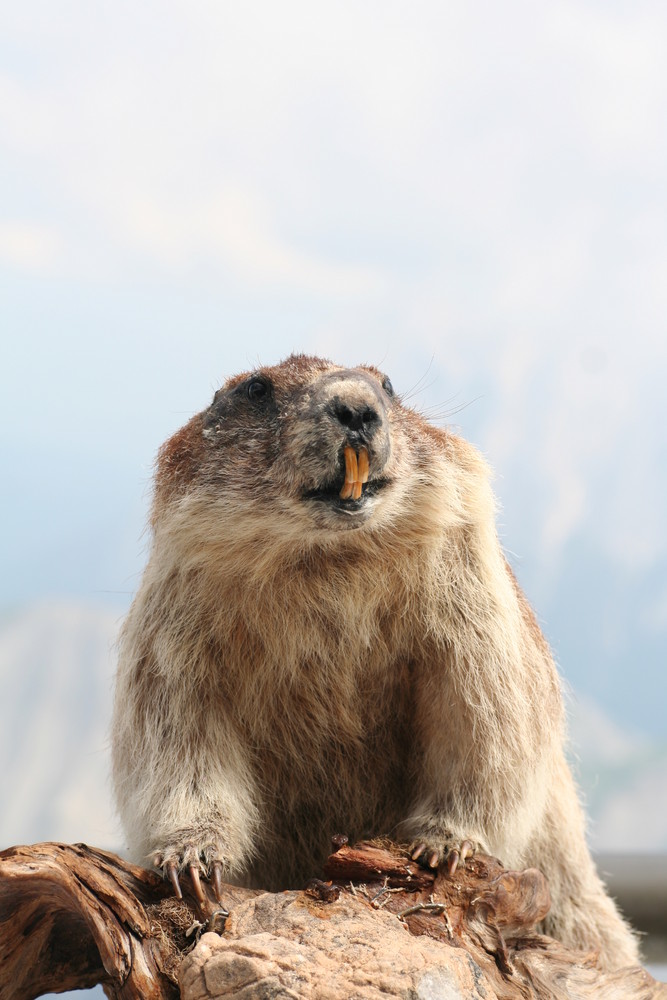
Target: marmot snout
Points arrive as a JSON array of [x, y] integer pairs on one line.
[[328, 638], [344, 429]]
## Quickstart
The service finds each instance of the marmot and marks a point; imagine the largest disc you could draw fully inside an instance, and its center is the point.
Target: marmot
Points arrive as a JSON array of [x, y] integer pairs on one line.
[[328, 637]]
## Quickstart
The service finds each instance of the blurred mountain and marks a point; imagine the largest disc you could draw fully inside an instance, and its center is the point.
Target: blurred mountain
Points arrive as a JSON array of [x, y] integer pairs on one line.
[[56, 669], [56, 666], [623, 778]]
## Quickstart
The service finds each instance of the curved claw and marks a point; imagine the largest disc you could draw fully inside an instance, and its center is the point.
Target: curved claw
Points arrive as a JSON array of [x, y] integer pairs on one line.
[[467, 850], [458, 856], [171, 869], [418, 851], [216, 875], [196, 885], [432, 860]]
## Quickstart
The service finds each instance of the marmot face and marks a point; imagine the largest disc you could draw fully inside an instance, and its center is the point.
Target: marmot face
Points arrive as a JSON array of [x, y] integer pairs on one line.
[[309, 440]]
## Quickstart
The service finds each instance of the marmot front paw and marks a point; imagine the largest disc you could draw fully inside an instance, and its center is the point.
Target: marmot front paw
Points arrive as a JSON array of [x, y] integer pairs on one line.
[[452, 850], [200, 856]]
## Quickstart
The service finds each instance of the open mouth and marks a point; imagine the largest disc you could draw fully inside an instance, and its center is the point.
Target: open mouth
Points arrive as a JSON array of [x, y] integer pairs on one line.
[[356, 487]]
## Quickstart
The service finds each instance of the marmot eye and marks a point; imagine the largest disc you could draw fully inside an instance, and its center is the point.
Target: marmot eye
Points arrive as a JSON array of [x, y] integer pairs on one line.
[[256, 389], [387, 386]]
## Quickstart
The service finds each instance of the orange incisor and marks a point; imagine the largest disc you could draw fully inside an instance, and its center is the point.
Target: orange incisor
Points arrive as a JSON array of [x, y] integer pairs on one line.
[[356, 473]]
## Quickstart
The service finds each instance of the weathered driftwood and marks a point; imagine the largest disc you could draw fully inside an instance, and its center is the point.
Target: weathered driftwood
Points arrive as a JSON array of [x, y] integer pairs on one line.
[[72, 916]]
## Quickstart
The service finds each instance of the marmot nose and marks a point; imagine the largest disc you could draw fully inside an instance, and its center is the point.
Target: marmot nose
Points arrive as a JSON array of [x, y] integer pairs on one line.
[[362, 418]]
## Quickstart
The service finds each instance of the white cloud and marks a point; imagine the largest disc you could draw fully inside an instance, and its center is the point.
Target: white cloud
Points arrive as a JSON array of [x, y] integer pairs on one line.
[[655, 614], [29, 247], [235, 230], [618, 55], [596, 738]]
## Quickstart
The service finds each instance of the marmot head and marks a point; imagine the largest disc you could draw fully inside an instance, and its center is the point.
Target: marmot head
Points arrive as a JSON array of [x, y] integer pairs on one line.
[[299, 449]]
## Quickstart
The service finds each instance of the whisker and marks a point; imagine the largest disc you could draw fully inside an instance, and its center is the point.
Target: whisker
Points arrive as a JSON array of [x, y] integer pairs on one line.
[[417, 387], [441, 411]]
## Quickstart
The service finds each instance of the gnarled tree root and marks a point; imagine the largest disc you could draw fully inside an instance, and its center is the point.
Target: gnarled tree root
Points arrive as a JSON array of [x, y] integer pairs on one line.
[[73, 916]]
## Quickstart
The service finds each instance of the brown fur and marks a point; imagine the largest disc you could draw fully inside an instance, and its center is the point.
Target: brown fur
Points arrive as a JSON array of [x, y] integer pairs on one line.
[[292, 667]]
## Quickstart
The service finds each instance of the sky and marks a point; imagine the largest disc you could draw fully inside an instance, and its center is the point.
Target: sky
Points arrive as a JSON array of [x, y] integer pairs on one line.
[[469, 195]]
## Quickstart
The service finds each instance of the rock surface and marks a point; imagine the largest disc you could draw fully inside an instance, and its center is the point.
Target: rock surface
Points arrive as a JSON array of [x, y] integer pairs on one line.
[[291, 947]]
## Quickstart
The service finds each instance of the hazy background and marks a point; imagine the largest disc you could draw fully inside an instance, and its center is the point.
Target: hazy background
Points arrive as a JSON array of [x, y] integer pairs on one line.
[[470, 195]]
